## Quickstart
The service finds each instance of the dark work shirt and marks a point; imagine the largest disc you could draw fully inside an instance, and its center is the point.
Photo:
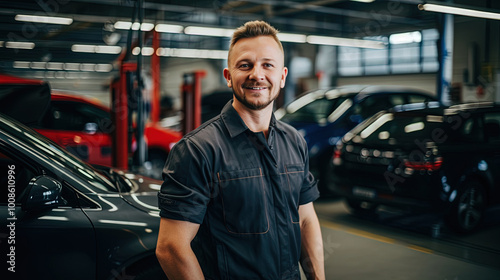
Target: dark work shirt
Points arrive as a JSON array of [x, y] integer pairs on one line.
[[244, 191]]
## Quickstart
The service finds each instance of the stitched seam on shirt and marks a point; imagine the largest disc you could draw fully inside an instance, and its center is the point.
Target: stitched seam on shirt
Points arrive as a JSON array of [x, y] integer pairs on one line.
[[290, 189], [240, 178]]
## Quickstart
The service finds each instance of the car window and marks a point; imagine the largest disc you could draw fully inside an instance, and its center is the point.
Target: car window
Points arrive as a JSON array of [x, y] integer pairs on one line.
[[73, 116], [492, 127], [412, 98], [372, 105], [14, 179], [393, 129], [471, 131], [316, 111]]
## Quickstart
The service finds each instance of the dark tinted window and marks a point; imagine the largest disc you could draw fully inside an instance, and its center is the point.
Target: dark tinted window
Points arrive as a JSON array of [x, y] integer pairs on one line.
[[396, 129], [316, 111], [73, 116]]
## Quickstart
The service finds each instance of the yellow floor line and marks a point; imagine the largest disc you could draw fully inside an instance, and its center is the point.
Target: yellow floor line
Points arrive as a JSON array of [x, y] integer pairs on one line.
[[365, 234]]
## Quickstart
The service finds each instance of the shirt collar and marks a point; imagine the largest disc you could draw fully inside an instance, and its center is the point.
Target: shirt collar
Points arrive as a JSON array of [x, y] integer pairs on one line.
[[235, 124]]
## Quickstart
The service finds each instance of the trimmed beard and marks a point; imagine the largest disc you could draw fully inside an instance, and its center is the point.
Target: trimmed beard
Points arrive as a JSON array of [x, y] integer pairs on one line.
[[252, 106]]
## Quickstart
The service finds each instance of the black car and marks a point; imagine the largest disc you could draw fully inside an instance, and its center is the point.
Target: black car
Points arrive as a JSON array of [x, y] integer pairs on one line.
[[68, 220], [323, 116], [445, 159]]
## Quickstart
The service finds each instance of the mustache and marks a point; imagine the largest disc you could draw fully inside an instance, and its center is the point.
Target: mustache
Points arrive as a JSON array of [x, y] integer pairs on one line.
[[256, 85]]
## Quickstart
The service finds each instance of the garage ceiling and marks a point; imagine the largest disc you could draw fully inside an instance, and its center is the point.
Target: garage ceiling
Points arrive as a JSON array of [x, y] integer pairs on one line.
[[93, 24]]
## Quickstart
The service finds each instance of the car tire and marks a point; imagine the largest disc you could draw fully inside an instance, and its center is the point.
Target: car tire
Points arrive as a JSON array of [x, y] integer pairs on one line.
[[467, 211], [360, 206]]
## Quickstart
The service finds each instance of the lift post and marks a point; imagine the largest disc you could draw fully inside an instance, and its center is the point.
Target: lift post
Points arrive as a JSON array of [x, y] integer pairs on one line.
[[120, 115]]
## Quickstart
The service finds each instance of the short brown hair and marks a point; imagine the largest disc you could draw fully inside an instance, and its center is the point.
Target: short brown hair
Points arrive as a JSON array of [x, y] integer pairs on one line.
[[253, 29]]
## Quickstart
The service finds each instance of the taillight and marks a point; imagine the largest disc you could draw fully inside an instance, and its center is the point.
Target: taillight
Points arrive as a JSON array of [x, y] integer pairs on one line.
[[428, 165], [337, 152]]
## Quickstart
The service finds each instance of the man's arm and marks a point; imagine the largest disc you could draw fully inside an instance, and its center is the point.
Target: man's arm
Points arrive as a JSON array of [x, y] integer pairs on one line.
[[174, 252], [311, 258]]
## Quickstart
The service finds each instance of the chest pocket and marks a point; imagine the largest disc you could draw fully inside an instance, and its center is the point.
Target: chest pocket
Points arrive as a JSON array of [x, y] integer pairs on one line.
[[244, 203]]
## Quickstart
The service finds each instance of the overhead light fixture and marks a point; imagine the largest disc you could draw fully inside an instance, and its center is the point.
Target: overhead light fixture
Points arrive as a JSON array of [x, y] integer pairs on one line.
[[405, 38], [96, 49], [126, 25], [363, 1], [209, 31], [293, 38], [44, 19], [458, 11], [146, 51], [169, 28], [192, 53], [20, 45], [345, 42]]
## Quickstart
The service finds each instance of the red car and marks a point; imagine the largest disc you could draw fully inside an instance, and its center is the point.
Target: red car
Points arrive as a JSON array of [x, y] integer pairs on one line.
[[83, 126]]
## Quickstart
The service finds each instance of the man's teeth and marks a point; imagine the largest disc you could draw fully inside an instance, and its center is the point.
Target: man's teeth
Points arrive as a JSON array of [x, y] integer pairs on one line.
[[257, 88]]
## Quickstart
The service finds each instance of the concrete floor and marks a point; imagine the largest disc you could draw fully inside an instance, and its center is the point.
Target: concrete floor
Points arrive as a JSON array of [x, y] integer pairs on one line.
[[404, 246]]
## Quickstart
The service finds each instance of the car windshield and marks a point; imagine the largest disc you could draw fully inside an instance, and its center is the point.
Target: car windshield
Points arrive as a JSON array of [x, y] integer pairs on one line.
[[23, 136], [391, 129], [313, 111]]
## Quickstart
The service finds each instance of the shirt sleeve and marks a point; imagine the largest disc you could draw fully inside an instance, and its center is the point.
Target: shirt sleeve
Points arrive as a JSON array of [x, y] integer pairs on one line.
[[309, 191], [185, 192]]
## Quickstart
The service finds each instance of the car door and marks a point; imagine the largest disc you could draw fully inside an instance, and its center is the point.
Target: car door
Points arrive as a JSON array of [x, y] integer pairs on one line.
[[53, 243], [80, 128]]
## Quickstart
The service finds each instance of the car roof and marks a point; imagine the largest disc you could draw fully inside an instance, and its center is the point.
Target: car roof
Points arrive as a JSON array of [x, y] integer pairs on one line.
[[62, 96], [365, 90]]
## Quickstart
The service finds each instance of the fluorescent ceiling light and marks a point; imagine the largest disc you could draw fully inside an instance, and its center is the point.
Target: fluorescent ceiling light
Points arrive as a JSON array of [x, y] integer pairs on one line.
[[169, 28], [209, 31], [55, 65], [44, 19], [125, 25], [363, 1], [96, 49], [21, 64], [147, 51], [345, 42], [290, 37], [458, 11], [20, 45], [38, 65], [406, 38], [192, 53]]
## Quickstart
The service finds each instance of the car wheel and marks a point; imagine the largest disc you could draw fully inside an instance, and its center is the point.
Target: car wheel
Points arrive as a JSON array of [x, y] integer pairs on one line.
[[359, 206], [467, 211]]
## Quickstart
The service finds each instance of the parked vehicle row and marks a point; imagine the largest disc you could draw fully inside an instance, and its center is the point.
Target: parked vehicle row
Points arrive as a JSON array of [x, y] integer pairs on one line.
[[445, 159], [323, 116]]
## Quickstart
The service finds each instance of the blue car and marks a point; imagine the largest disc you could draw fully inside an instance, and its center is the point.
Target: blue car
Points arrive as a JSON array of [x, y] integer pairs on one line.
[[323, 116]]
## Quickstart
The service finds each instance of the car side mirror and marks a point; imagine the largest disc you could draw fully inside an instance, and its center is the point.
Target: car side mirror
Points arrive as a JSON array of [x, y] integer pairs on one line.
[[43, 192]]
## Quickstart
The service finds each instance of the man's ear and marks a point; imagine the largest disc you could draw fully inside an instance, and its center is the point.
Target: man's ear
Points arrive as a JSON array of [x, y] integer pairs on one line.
[[283, 77], [227, 76]]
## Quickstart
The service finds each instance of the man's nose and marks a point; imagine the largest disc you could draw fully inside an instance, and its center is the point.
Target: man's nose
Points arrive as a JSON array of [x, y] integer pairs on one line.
[[257, 74]]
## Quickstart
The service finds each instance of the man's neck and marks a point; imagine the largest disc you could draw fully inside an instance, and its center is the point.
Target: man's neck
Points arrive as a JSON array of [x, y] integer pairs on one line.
[[256, 120]]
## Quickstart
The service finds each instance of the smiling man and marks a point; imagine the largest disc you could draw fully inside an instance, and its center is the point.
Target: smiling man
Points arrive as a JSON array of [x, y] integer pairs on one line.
[[237, 198]]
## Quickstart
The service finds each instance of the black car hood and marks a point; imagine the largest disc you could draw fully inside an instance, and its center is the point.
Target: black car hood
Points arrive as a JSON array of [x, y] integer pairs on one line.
[[22, 99], [144, 193]]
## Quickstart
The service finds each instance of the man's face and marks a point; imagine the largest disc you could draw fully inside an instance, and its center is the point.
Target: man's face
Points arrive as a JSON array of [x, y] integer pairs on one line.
[[256, 71]]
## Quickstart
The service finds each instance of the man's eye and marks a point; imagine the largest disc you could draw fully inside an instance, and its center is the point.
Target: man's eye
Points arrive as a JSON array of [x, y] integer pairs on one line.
[[244, 66], [268, 65]]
